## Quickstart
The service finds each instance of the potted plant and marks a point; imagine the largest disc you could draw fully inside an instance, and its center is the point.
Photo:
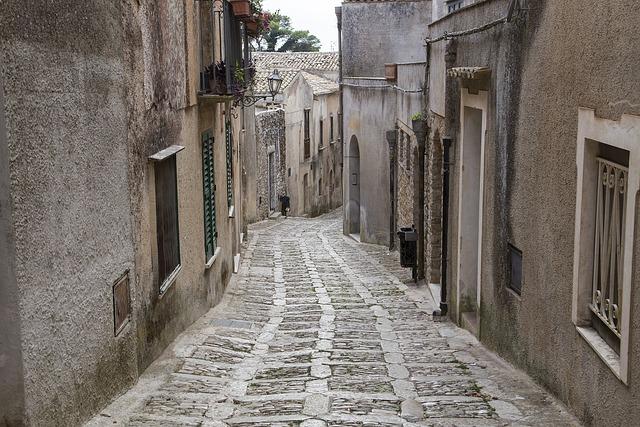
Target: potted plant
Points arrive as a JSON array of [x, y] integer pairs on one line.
[[418, 123], [252, 26], [218, 78], [241, 8]]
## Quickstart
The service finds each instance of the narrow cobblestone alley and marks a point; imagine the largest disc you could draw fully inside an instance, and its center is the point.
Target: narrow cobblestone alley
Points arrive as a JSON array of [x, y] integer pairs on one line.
[[319, 330]]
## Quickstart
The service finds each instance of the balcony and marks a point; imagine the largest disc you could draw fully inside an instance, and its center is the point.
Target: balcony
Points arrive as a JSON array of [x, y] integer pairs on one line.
[[226, 70]]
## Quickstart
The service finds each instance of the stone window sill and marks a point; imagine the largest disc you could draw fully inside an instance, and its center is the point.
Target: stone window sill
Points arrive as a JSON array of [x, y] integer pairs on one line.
[[332, 142], [321, 148], [232, 211], [213, 259], [169, 281], [602, 349]]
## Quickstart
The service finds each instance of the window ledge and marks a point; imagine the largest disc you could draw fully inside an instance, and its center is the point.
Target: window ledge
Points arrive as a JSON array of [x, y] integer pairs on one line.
[[602, 349], [332, 142], [213, 259], [169, 281], [321, 148], [232, 211]]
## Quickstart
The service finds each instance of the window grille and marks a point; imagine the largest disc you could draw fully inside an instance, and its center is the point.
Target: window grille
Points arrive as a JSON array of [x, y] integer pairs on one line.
[[454, 5], [167, 220], [307, 137], [331, 136], [209, 195], [608, 260]]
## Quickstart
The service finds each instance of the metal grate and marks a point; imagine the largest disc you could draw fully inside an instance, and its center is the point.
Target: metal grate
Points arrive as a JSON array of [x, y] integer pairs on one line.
[[608, 258], [121, 304], [515, 266]]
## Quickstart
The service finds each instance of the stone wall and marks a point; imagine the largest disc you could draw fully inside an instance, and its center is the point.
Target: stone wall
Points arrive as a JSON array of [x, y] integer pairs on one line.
[[114, 83], [270, 141], [544, 67]]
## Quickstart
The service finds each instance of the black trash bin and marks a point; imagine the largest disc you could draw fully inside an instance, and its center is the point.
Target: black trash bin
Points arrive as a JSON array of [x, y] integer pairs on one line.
[[408, 247]]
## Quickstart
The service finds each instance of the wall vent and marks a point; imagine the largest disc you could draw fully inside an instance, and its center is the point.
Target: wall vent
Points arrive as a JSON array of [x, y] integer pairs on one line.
[[121, 304], [515, 263]]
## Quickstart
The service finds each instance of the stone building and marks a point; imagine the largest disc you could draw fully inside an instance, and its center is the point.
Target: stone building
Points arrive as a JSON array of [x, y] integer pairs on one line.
[[382, 90], [120, 213], [538, 102], [314, 149], [313, 165], [271, 162]]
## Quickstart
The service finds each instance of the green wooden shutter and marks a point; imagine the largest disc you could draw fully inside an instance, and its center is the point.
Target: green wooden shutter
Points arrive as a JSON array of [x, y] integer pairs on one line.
[[209, 195], [229, 143]]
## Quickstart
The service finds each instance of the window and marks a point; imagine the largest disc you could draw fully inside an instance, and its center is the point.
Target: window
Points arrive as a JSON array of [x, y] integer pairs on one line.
[[515, 263], [121, 304], [209, 196], [167, 227], [608, 160], [320, 187], [453, 5], [339, 126], [229, 150], [307, 138], [331, 136], [321, 143]]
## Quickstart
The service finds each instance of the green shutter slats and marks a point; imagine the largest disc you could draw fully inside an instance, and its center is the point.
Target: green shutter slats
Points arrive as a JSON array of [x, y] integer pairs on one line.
[[209, 195], [229, 144]]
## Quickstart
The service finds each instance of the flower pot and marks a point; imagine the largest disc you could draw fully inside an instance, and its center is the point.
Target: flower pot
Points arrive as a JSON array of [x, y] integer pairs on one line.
[[241, 8], [419, 127], [391, 72], [252, 27]]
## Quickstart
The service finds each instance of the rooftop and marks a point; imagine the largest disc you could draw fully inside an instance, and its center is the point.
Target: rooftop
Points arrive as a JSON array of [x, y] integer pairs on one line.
[[289, 64]]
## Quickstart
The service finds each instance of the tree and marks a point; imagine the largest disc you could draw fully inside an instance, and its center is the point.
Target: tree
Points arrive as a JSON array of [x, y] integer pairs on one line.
[[282, 37]]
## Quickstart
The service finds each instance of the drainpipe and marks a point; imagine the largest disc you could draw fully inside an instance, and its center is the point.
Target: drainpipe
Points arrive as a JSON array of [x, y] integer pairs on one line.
[[341, 114], [392, 136], [444, 307]]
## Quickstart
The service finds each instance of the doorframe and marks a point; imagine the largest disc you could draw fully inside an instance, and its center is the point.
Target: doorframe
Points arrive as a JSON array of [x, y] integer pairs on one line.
[[478, 101]]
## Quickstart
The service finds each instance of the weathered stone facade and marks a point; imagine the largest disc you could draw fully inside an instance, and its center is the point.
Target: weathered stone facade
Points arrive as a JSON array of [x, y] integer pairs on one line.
[[91, 93], [271, 170]]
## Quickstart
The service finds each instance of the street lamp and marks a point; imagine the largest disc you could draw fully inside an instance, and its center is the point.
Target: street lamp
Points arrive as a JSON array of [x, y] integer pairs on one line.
[[275, 84]]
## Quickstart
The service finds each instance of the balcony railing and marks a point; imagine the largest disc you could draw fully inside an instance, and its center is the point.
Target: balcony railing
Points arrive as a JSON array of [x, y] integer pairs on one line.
[[608, 260], [225, 65]]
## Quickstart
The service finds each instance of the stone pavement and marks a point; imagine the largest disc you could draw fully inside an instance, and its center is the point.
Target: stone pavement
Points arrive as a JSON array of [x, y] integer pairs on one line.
[[318, 330]]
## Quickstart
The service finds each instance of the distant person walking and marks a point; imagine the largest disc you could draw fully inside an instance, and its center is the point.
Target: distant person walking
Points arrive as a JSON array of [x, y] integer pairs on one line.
[[285, 202]]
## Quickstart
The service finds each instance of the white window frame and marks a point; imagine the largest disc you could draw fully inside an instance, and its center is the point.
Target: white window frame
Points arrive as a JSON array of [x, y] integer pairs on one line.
[[623, 134]]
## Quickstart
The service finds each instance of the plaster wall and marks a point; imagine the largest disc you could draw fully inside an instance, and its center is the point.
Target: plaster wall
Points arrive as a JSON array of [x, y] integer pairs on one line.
[[369, 113], [323, 159], [249, 168], [67, 131], [119, 86], [388, 31], [11, 376], [542, 73]]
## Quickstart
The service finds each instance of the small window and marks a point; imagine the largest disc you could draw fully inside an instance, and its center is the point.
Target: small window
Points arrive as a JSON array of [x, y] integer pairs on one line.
[[320, 187], [289, 172], [453, 5], [209, 195], [331, 136], [515, 263], [121, 304], [307, 138], [167, 227], [321, 142], [339, 126]]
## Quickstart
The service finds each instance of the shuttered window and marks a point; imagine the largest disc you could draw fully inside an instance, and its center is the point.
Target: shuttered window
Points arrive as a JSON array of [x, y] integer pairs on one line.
[[229, 144], [209, 195], [168, 233], [307, 137]]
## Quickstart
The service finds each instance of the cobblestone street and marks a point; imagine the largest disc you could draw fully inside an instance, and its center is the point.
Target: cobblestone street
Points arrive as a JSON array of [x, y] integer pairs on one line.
[[318, 330]]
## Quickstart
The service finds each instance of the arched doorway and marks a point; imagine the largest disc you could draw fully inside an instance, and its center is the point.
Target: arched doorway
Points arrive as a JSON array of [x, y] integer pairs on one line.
[[354, 187]]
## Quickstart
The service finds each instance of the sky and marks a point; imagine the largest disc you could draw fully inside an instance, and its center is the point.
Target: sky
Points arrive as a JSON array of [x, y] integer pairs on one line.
[[317, 16]]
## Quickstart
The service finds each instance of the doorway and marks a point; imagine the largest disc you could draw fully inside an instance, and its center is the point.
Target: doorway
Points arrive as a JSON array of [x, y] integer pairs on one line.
[[470, 204], [354, 188], [273, 198]]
